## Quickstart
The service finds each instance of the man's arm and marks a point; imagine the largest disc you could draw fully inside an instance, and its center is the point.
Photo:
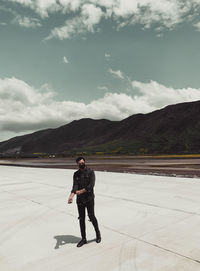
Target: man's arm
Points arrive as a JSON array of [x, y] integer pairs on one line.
[[70, 199], [73, 191], [91, 184], [78, 192]]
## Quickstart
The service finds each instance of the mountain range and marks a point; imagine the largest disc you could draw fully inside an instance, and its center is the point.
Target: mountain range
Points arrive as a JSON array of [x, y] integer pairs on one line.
[[174, 129]]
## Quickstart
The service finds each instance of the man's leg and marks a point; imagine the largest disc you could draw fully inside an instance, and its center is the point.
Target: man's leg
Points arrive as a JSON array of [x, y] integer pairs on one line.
[[92, 217], [81, 211]]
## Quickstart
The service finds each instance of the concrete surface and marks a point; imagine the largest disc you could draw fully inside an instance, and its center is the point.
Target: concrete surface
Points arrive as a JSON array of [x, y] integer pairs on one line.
[[148, 223]]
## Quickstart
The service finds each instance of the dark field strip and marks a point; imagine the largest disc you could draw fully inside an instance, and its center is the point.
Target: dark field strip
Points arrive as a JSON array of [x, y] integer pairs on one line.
[[170, 166]]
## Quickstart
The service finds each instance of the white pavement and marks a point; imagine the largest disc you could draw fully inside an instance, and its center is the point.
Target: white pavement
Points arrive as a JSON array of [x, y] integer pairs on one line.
[[147, 223]]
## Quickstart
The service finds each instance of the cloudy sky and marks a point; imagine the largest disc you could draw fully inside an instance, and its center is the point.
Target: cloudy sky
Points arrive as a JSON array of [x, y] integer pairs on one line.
[[62, 60]]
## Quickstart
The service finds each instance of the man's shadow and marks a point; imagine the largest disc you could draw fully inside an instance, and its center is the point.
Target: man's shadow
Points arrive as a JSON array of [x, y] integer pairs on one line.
[[68, 239]]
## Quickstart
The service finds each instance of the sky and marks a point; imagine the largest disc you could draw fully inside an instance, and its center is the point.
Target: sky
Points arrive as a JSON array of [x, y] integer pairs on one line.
[[64, 60]]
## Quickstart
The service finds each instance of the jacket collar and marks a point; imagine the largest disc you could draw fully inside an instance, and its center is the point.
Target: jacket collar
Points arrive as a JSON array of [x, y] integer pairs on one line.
[[82, 171]]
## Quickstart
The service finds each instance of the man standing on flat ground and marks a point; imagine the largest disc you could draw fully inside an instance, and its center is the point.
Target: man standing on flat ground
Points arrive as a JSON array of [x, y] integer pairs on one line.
[[83, 184]]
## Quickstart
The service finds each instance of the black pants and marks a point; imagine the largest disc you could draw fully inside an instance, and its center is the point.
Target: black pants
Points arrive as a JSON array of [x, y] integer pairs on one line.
[[90, 209]]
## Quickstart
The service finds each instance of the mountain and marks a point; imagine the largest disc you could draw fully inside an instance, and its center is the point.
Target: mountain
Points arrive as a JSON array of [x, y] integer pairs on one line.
[[174, 129]]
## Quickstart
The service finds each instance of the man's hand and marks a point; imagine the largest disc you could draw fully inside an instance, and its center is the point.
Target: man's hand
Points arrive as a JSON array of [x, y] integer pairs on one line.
[[70, 199], [78, 192]]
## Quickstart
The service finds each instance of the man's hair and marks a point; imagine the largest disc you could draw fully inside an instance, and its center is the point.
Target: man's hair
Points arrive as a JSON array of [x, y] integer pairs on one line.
[[80, 158]]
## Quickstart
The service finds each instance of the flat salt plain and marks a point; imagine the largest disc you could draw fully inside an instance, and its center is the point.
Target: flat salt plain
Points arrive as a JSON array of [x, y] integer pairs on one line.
[[147, 223]]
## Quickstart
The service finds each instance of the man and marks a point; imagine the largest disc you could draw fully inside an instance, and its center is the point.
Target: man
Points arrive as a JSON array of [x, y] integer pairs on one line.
[[83, 184]]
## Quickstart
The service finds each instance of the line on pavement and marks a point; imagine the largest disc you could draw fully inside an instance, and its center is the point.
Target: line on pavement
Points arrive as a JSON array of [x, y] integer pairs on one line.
[[111, 229], [150, 204]]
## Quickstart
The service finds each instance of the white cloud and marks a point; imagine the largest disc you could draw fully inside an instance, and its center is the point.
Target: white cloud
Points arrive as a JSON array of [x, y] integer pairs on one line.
[[89, 17], [87, 14], [21, 20], [69, 5], [22, 2], [157, 95], [107, 56], [117, 73], [197, 26], [148, 12], [27, 21], [41, 7], [71, 27], [65, 60], [24, 109], [104, 88]]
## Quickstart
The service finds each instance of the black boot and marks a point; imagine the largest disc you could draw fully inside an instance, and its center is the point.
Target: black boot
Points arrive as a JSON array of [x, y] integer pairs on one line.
[[98, 237], [82, 242]]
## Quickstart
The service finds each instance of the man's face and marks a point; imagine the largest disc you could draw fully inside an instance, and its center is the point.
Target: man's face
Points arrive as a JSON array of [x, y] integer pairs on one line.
[[81, 163]]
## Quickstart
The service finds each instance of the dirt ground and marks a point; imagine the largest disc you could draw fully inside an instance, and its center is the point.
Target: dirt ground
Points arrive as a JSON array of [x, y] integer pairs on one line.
[[184, 167]]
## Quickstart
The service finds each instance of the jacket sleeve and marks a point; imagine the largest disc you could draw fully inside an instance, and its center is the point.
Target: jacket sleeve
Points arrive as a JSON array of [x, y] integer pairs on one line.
[[75, 185], [91, 182]]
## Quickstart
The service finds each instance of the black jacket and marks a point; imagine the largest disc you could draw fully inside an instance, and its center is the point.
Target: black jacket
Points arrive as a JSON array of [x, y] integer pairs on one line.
[[84, 179]]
